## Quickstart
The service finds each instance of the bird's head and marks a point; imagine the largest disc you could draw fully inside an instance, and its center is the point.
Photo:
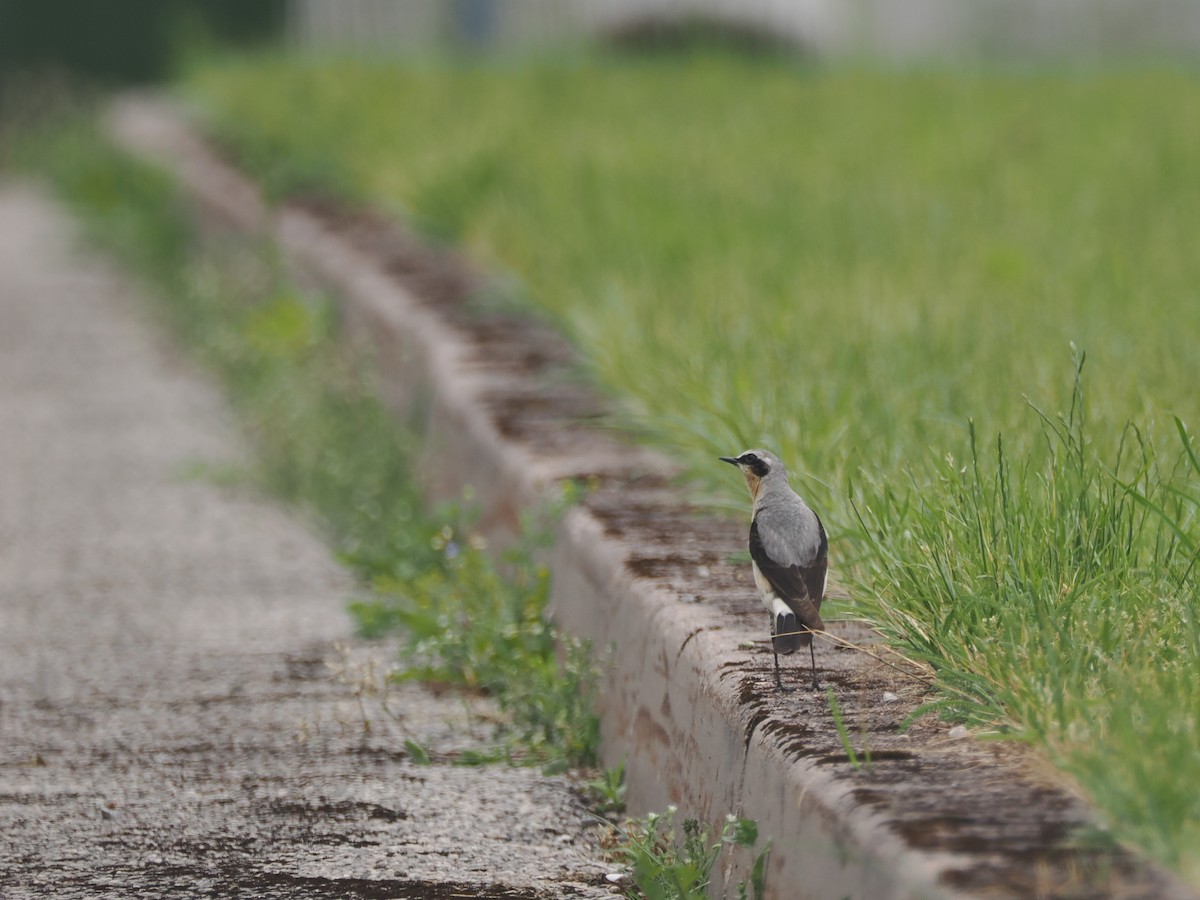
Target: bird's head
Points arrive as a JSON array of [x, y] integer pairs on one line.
[[756, 465]]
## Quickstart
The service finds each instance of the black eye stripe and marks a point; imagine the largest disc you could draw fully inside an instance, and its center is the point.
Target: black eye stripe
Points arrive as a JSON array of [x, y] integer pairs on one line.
[[758, 466]]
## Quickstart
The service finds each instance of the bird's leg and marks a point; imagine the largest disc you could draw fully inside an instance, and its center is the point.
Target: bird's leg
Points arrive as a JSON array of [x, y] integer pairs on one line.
[[778, 680], [816, 685]]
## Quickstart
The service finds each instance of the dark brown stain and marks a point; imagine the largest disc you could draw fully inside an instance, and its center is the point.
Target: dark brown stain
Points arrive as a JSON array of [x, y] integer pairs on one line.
[[647, 731], [342, 809], [687, 640]]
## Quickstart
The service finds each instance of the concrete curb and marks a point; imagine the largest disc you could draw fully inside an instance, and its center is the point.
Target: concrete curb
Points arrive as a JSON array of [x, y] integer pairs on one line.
[[686, 696]]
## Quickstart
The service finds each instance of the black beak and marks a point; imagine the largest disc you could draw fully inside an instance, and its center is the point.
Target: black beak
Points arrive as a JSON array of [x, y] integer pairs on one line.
[[729, 459]]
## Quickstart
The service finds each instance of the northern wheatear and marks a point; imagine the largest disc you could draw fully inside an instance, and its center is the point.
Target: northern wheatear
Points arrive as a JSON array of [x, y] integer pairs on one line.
[[789, 553]]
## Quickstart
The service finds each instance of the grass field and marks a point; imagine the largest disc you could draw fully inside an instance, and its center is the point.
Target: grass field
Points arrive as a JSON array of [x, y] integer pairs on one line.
[[893, 279]]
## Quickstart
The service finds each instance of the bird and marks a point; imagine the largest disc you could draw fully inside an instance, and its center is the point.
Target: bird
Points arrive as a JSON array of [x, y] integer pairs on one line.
[[789, 553]]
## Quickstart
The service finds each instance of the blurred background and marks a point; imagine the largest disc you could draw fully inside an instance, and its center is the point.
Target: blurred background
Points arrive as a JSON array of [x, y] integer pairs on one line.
[[125, 40], [888, 28], [138, 40]]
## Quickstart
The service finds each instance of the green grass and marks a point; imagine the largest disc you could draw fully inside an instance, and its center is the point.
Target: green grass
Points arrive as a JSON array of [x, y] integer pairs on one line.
[[881, 275], [895, 253], [327, 444], [1059, 597]]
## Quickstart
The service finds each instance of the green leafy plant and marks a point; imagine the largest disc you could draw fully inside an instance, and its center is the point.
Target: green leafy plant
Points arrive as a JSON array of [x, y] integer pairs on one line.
[[416, 752], [466, 625], [667, 865], [606, 792]]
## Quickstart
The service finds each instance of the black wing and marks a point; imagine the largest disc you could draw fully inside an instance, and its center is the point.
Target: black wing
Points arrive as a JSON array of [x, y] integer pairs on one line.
[[802, 588]]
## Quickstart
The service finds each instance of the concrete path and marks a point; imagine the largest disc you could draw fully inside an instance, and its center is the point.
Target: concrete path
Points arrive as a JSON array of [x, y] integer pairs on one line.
[[175, 718]]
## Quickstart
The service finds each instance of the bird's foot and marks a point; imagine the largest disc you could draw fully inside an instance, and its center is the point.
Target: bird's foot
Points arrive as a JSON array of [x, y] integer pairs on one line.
[[816, 685]]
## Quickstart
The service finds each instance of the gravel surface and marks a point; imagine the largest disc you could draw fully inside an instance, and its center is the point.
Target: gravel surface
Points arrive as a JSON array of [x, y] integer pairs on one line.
[[182, 709]]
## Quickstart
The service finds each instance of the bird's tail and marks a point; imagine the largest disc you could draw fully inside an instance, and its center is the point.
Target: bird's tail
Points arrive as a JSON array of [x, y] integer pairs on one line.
[[787, 639]]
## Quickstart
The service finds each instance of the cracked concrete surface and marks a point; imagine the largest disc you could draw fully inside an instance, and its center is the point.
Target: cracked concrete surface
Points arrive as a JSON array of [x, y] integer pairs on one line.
[[179, 692]]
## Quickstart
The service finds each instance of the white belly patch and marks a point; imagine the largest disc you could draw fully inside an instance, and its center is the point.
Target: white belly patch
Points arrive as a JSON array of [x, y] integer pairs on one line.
[[774, 605]]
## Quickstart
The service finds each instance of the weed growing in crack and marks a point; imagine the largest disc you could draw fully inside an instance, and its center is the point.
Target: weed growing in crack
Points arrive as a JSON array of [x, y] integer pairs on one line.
[[465, 624], [844, 735], [606, 792], [668, 865]]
